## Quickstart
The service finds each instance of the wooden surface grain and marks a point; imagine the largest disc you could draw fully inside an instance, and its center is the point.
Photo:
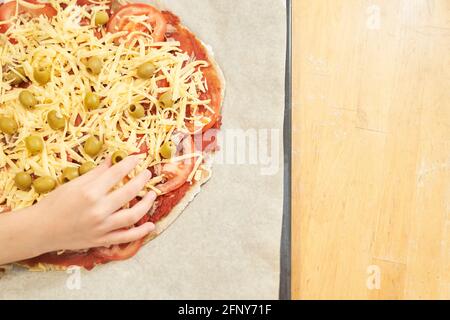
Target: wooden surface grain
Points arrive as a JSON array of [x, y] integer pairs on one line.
[[371, 143]]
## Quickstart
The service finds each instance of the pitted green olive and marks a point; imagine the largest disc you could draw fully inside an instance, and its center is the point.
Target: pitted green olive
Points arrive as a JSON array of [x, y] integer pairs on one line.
[[42, 75], [86, 167], [91, 101], [166, 100], [8, 125], [16, 76], [27, 99], [56, 121], [93, 146], [167, 150], [69, 174], [101, 18], [146, 70], [34, 144], [44, 185], [23, 181], [118, 156], [137, 111], [94, 65]]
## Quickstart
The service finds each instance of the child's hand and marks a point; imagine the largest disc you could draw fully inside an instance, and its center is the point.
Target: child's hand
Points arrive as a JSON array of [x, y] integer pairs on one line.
[[85, 213]]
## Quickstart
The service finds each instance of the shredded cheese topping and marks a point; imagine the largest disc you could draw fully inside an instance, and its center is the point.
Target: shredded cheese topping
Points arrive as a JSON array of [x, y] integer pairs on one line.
[[63, 44]]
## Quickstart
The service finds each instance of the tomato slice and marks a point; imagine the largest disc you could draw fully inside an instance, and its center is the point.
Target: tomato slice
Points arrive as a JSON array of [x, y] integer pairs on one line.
[[84, 2], [47, 10], [119, 252], [177, 173], [8, 10], [208, 118], [121, 21]]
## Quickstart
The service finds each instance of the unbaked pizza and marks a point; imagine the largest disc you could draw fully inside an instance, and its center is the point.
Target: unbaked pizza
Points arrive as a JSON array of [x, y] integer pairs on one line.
[[84, 79]]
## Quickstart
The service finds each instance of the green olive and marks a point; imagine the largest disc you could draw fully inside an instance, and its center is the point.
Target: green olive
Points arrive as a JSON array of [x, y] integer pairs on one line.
[[167, 150], [91, 101], [101, 18], [94, 65], [34, 144], [8, 125], [137, 111], [44, 185], [146, 70], [27, 99], [56, 121], [23, 181], [118, 156], [16, 76], [69, 174], [93, 146], [86, 167], [42, 75], [166, 100]]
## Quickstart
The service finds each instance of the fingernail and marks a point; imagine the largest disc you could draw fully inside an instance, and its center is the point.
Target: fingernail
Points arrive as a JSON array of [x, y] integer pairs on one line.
[[151, 226], [151, 195]]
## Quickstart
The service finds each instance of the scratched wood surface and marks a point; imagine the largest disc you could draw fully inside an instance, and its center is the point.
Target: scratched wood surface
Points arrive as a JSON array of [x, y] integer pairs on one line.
[[371, 179]]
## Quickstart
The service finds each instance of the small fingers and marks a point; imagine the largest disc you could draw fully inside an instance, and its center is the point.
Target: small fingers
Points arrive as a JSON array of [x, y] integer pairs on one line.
[[108, 179], [96, 172], [129, 217], [130, 235], [118, 198]]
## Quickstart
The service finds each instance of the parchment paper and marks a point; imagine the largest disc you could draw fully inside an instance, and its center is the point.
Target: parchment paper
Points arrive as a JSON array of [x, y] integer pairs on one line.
[[226, 244]]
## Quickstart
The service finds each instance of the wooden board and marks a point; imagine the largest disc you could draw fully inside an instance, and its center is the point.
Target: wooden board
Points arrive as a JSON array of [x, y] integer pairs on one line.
[[371, 143]]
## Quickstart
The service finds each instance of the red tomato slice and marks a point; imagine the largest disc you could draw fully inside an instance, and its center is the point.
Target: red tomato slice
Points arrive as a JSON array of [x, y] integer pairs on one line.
[[121, 22], [177, 173], [119, 252], [84, 2], [8, 10], [210, 119], [47, 10]]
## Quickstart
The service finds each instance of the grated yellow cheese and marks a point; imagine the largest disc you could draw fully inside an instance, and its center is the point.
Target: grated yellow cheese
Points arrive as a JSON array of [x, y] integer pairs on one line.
[[64, 45]]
